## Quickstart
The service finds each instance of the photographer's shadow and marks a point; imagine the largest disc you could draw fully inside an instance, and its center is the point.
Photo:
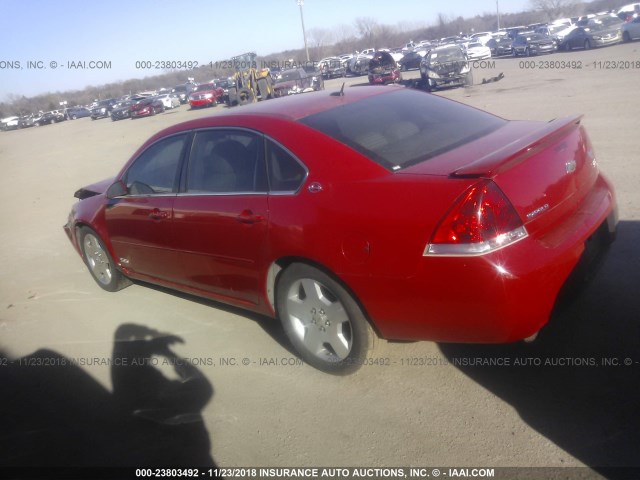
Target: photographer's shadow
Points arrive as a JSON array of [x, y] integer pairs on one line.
[[572, 384], [53, 413]]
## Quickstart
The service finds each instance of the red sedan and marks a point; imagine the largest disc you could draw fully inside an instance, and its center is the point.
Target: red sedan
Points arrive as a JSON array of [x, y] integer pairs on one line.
[[146, 107], [205, 95], [391, 211]]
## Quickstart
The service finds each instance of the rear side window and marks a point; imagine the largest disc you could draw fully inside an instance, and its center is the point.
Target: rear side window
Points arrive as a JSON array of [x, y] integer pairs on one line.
[[286, 174], [404, 127], [226, 161]]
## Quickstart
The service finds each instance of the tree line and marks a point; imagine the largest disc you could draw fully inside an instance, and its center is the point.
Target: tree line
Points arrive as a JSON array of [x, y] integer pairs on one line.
[[365, 32]]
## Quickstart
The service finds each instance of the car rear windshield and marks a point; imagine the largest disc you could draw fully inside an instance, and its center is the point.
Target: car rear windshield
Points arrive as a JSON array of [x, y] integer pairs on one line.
[[403, 127]]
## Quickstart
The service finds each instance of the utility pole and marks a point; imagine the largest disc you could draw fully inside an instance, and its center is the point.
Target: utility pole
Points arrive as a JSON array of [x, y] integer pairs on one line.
[[304, 35], [498, 13]]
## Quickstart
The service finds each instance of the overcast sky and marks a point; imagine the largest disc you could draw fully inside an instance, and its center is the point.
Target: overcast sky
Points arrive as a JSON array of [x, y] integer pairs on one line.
[[119, 33]]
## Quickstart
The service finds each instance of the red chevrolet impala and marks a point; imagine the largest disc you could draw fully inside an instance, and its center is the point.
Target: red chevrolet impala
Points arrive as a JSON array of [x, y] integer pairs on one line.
[[385, 210]]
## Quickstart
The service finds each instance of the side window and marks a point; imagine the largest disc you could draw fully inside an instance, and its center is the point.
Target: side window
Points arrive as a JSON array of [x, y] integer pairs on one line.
[[155, 170], [226, 161], [285, 172]]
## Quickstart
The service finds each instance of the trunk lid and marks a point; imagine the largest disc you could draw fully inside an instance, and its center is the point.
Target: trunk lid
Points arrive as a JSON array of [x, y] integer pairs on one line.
[[544, 169]]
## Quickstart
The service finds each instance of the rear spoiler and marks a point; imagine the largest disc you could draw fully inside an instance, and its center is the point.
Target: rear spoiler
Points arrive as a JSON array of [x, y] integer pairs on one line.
[[517, 151]]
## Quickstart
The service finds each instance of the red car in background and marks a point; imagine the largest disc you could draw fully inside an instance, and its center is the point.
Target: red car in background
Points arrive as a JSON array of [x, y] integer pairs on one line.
[[146, 107], [346, 213], [205, 95]]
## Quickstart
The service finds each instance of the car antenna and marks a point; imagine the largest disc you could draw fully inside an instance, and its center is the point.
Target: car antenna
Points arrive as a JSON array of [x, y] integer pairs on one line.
[[340, 93]]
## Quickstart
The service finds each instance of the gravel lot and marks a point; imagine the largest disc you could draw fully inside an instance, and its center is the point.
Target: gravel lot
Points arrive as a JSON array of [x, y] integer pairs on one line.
[[420, 410]]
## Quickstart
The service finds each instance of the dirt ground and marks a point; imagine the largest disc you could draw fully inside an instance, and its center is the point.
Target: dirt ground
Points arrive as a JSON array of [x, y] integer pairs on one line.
[[430, 406]]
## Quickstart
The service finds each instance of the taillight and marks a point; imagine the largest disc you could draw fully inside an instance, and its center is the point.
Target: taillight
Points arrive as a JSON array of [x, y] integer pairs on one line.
[[482, 220]]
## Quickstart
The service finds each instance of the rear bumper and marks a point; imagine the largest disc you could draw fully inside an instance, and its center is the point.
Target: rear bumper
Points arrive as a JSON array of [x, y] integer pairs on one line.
[[501, 297]]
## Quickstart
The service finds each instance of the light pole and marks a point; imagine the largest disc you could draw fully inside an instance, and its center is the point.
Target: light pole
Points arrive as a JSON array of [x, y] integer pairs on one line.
[[304, 35], [498, 13]]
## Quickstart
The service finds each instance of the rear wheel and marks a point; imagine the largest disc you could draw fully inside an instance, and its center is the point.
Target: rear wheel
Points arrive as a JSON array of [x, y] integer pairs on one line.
[[100, 263], [263, 86], [245, 96], [322, 320]]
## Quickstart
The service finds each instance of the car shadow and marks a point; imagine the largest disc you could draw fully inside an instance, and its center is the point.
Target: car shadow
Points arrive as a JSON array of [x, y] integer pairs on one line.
[[271, 326], [55, 414], [578, 383]]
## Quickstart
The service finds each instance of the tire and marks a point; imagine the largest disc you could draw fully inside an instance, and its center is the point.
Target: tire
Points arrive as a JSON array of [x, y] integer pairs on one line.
[[567, 47], [245, 96], [527, 52], [322, 320], [263, 86], [626, 37], [587, 45], [74, 117], [99, 262]]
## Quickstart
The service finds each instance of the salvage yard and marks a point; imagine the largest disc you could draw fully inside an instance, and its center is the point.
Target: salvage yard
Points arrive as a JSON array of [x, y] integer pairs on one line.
[[568, 400]]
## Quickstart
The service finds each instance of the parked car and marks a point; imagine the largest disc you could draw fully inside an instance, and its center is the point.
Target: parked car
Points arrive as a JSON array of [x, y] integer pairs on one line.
[[26, 121], [552, 31], [411, 60], [378, 209], [359, 64], [445, 66], [183, 91], [631, 30], [47, 118], [169, 100], [295, 80], [225, 84], [331, 67], [513, 32], [205, 95], [103, 108], [591, 36], [383, 69], [628, 12], [74, 113], [122, 110], [482, 37], [500, 45], [146, 107], [478, 51], [317, 80], [533, 44], [10, 123]]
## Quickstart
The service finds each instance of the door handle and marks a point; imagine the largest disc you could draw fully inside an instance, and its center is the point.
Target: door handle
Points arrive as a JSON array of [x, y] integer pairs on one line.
[[247, 216], [157, 214]]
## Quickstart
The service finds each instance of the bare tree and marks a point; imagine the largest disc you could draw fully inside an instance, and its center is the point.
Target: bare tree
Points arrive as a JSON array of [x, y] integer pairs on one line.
[[319, 40], [554, 8], [366, 27]]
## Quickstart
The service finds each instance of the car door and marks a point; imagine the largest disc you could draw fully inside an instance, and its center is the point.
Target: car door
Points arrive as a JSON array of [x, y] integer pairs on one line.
[[221, 215], [577, 38], [140, 222]]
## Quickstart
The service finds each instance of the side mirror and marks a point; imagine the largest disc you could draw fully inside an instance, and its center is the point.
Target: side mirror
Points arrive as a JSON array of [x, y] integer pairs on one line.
[[118, 189]]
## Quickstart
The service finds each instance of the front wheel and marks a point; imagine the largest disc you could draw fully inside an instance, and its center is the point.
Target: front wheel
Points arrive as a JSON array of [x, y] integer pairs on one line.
[[100, 263], [322, 320], [587, 45]]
